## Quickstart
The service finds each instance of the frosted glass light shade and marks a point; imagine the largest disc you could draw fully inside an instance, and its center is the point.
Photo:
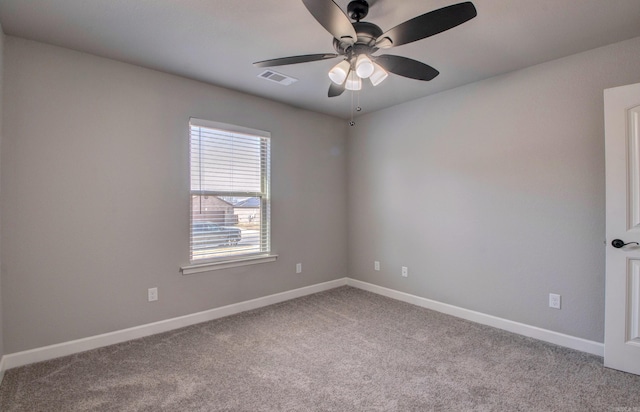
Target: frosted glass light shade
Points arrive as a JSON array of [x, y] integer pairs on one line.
[[353, 81], [364, 66], [379, 74], [339, 72]]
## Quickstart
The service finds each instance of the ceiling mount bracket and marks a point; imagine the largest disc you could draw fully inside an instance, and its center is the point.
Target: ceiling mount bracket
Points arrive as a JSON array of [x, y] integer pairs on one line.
[[358, 9]]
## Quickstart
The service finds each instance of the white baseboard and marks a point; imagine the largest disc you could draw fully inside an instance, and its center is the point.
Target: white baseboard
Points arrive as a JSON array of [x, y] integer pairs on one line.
[[93, 342], [560, 339]]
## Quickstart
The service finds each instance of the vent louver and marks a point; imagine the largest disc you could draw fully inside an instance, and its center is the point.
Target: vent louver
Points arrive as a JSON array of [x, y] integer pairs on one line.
[[277, 77]]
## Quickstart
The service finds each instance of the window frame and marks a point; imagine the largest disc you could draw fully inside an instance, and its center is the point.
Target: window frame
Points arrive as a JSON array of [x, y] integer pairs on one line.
[[242, 259]]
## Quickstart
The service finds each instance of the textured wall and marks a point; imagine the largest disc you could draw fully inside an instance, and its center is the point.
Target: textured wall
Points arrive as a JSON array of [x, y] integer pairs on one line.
[[504, 181], [96, 196]]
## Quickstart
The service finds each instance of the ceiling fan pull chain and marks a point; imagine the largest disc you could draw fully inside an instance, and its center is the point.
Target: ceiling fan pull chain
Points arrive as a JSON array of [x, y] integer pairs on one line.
[[352, 123]]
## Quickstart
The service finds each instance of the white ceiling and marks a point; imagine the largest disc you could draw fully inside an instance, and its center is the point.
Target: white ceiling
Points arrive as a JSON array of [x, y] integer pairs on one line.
[[216, 41]]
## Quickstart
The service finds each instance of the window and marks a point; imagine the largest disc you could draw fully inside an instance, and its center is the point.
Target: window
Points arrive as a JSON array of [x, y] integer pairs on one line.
[[230, 211]]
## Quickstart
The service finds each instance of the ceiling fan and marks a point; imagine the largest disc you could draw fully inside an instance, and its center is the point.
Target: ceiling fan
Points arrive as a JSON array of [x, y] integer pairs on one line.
[[357, 42]]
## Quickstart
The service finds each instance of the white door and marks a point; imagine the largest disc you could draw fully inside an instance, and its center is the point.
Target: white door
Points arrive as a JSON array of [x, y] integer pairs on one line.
[[622, 296]]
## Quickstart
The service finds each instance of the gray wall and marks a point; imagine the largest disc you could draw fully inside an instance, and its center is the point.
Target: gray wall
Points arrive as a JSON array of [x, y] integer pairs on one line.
[[96, 196], [1, 82], [493, 193]]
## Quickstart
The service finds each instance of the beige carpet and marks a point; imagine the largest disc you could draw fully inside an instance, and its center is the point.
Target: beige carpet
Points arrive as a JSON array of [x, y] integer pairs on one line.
[[341, 350]]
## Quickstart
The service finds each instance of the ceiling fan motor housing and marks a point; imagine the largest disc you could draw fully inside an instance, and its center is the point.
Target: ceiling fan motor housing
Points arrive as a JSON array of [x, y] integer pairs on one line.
[[367, 35]]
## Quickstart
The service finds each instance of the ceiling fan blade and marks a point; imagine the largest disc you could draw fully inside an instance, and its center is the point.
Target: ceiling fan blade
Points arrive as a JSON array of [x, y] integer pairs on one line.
[[336, 89], [427, 25], [295, 59], [406, 67], [332, 18]]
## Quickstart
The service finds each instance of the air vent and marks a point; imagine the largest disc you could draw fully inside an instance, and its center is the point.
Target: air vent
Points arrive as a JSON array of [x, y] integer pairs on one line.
[[277, 77]]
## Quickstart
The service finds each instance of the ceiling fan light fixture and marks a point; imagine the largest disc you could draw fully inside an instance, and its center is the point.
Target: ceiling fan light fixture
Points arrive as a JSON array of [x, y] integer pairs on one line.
[[364, 66], [354, 82], [339, 72], [378, 75]]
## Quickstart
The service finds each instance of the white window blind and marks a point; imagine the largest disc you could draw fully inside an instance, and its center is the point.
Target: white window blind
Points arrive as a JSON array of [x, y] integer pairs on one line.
[[230, 174]]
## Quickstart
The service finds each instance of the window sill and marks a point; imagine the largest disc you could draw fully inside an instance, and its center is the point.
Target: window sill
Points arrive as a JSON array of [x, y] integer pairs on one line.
[[209, 266]]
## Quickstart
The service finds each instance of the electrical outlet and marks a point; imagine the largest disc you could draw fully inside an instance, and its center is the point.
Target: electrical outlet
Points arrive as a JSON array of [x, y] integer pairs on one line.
[[152, 294], [554, 300], [298, 267], [405, 272], [376, 265]]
